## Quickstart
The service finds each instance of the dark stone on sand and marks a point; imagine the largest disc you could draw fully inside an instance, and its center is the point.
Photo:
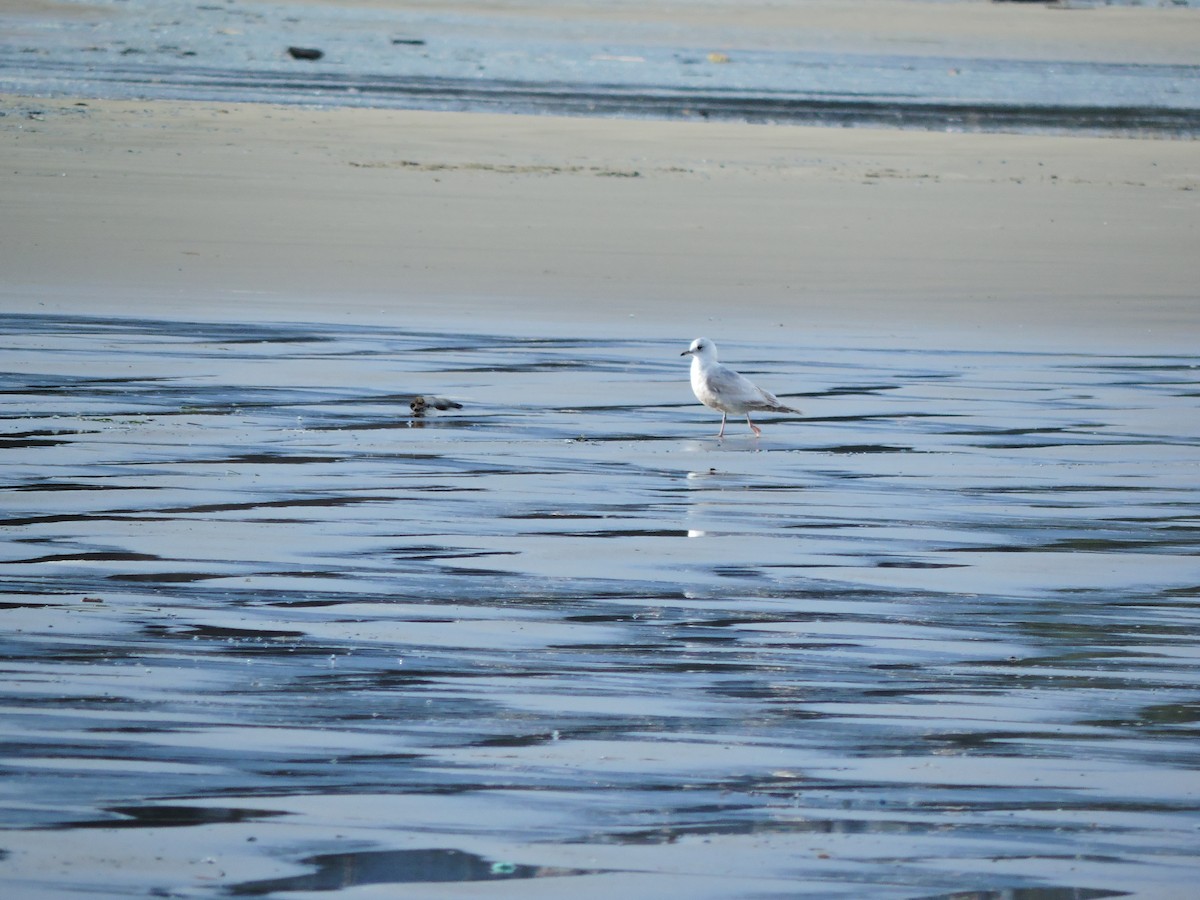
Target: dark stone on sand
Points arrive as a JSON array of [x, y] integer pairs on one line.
[[305, 52], [409, 42], [419, 405]]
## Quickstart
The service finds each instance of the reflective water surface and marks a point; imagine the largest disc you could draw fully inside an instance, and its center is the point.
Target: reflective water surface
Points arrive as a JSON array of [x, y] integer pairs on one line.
[[562, 59], [267, 632]]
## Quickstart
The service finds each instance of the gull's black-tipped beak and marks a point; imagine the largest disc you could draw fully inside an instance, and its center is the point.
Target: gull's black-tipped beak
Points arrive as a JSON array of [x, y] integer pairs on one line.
[[686, 353]]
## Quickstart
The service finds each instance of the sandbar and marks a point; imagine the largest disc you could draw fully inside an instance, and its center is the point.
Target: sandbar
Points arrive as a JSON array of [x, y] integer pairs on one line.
[[597, 225]]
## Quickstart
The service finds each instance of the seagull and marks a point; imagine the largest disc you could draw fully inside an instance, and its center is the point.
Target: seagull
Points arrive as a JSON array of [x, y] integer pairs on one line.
[[720, 387]]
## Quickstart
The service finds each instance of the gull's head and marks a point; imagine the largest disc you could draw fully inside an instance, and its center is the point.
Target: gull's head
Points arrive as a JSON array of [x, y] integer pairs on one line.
[[702, 348]]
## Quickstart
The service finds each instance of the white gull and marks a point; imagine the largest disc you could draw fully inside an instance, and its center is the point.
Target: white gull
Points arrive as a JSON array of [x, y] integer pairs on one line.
[[721, 388]]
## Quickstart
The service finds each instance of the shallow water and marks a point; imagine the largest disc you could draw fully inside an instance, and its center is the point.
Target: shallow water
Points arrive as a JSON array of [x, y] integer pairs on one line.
[[265, 631], [536, 60]]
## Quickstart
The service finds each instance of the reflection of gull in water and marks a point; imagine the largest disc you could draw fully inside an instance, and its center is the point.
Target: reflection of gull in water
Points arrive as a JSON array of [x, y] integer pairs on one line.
[[721, 388]]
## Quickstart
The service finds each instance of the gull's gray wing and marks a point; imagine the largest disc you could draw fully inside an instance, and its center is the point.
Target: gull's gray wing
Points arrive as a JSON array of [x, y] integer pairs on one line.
[[740, 393], [735, 389]]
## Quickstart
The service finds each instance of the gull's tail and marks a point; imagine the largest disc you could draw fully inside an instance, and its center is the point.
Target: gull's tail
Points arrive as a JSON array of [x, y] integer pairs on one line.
[[772, 403]]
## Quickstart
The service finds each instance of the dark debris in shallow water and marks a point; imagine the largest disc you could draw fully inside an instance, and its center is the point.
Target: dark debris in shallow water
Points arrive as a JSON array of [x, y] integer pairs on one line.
[[339, 871]]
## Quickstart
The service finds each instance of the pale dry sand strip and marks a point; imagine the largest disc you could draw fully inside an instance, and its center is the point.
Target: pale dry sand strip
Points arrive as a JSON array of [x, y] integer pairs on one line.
[[550, 224]]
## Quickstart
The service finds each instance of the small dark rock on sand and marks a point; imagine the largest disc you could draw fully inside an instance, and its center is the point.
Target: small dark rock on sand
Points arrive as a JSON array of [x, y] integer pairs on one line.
[[305, 52]]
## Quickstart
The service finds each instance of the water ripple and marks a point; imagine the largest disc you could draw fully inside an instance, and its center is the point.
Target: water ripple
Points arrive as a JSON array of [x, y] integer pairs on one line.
[[937, 637]]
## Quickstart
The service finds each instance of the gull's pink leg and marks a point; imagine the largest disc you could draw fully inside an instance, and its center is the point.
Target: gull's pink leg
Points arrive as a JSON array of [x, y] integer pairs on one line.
[[757, 431], [721, 433]]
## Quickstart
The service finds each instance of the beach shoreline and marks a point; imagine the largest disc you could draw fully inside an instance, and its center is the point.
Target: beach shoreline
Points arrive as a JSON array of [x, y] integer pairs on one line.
[[546, 223]]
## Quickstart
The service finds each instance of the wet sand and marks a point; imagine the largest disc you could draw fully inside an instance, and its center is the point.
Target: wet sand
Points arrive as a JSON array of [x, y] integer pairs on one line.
[[267, 633]]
